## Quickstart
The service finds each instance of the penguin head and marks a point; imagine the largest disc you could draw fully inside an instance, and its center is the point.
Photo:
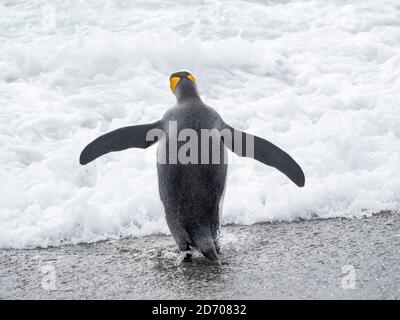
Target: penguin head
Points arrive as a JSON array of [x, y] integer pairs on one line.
[[183, 85]]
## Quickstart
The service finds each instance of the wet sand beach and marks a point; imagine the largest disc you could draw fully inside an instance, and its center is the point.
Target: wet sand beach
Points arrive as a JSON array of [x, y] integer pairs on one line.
[[314, 259]]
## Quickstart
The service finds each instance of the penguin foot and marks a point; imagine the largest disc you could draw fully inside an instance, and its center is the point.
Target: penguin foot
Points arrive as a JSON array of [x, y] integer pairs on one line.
[[187, 256]]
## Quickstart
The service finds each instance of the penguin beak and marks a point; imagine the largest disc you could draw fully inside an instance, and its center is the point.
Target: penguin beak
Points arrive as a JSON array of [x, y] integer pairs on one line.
[[175, 80]]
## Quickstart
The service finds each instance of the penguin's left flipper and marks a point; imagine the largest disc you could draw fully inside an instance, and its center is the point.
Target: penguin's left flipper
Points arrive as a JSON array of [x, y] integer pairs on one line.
[[265, 152], [120, 139]]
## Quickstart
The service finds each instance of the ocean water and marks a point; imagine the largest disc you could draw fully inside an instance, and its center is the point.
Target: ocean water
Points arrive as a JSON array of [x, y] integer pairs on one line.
[[321, 79]]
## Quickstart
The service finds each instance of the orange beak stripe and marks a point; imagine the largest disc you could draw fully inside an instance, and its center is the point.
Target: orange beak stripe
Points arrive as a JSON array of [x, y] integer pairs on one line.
[[174, 82], [190, 77]]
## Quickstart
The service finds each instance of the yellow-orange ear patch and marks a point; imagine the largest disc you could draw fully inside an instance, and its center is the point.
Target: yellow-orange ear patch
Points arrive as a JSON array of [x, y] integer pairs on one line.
[[190, 77], [174, 82]]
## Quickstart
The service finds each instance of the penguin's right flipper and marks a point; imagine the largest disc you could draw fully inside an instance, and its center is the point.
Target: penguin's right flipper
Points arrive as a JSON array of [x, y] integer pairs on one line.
[[120, 139], [265, 152]]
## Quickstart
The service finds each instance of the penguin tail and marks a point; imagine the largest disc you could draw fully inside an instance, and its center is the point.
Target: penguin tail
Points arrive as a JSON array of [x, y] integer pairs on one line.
[[206, 246]]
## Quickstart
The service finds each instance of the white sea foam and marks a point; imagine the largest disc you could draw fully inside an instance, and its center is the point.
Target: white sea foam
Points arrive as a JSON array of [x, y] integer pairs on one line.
[[320, 79]]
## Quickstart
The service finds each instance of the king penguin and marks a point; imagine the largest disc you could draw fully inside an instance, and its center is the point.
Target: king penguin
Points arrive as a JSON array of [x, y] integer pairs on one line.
[[191, 187]]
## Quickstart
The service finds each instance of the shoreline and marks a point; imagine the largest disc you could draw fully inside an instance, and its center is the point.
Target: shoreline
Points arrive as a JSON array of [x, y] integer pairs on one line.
[[311, 259]]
